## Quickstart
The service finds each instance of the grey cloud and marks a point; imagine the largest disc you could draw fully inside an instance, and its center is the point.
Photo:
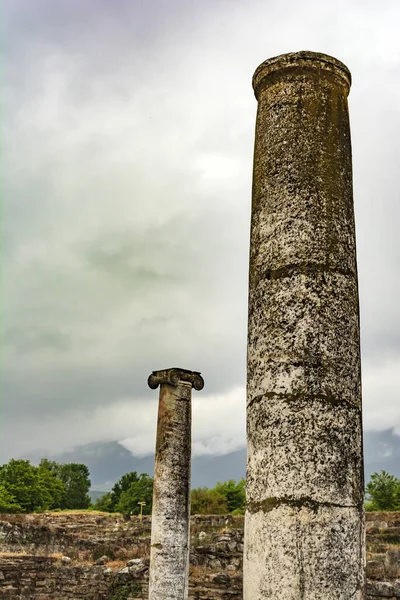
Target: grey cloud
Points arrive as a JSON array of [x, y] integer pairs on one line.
[[382, 452], [30, 340], [127, 142], [118, 264]]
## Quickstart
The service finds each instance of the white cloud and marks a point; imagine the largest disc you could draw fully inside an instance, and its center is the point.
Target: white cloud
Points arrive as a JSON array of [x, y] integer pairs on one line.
[[218, 426], [381, 395]]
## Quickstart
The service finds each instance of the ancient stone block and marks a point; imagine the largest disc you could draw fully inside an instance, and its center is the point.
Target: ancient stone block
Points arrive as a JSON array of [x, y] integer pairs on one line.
[[392, 563], [375, 569]]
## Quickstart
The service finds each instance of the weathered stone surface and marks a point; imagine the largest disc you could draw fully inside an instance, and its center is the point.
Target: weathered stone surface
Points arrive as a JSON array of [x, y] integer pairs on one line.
[[383, 589], [300, 551], [316, 445], [134, 562], [375, 569], [38, 577], [392, 563], [222, 578], [369, 525], [299, 348], [174, 377], [304, 521], [45, 578], [169, 558]]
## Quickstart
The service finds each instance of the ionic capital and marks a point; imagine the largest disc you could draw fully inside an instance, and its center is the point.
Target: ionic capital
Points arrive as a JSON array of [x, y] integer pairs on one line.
[[173, 376]]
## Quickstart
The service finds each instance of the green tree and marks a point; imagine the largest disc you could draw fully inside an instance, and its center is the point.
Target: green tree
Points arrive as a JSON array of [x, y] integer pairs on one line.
[[121, 486], [76, 482], [49, 480], [49, 465], [138, 491], [7, 502], [47, 486], [22, 482], [208, 502], [103, 503], [383, 491], [234, 492]]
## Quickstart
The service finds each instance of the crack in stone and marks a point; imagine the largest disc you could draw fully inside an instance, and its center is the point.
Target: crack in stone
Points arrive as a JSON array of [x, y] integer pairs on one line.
[[304, 269], [270, 504], [299, 549], [323, 398]]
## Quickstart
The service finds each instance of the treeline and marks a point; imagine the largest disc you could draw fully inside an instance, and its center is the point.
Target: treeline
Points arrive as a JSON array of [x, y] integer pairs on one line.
[[226, 497], [132, 489], [28, 488], [126, 495]]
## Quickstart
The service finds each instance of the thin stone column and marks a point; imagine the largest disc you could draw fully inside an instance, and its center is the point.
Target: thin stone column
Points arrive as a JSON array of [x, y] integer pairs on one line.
[[304, 534], [169, 555]]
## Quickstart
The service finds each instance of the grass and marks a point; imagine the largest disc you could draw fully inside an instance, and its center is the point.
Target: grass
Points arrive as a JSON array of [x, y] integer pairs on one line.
[[73, 511], [21, 553]]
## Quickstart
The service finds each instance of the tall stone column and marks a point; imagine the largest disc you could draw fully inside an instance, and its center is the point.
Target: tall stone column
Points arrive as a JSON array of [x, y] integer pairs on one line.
[[304, 535], [169, 554]]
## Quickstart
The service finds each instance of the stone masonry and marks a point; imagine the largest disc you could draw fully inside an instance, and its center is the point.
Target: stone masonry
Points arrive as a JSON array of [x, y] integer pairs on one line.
[[304, 534], [107, 558], [169, 558]]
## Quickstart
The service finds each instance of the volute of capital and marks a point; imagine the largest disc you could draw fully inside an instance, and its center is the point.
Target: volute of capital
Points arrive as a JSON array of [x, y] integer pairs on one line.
[[174, 376]]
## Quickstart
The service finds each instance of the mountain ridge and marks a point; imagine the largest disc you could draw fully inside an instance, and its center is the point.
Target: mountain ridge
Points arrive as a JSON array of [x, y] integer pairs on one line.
[[108, 461]]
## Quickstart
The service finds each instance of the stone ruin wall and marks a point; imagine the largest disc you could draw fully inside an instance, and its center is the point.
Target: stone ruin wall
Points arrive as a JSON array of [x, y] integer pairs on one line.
[[65, 556]]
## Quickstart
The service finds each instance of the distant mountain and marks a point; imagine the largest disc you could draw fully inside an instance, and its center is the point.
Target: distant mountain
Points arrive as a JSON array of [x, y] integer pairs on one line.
[[381, 452], [107, 462], [95, 495]]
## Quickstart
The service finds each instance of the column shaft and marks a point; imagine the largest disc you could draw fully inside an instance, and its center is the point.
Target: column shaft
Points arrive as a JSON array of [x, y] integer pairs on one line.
[[169, 555], [304, 536]]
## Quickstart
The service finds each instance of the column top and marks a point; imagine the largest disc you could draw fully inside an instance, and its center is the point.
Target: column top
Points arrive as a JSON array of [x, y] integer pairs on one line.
[[301, 60], [173, 376]]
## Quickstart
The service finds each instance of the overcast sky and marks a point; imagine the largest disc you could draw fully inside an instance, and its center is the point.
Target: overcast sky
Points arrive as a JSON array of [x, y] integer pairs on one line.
[[127, 142]]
